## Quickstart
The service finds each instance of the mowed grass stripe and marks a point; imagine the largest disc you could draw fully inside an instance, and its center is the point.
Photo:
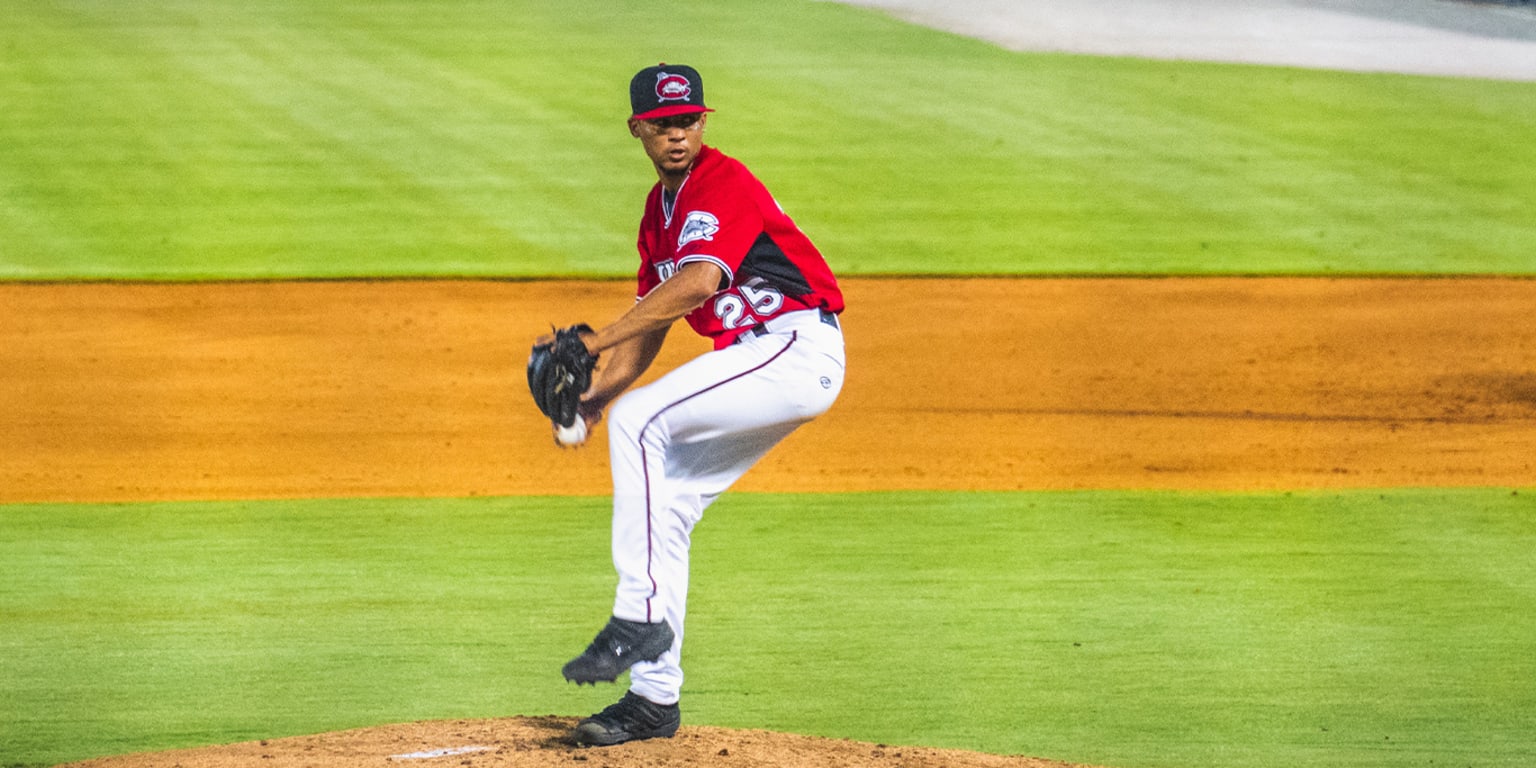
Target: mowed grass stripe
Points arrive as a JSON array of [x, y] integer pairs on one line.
[[254, 145], [185, 140], [1168, 629]]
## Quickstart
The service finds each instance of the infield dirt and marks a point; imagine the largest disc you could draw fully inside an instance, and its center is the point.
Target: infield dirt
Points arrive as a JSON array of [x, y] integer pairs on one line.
[[125, 392], [122, 392]]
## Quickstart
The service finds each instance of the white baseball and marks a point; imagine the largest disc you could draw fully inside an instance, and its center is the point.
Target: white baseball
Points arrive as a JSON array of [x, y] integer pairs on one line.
[[572, 436]]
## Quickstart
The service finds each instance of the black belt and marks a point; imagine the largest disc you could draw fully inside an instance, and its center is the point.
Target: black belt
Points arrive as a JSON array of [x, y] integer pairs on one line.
[[761, 329]]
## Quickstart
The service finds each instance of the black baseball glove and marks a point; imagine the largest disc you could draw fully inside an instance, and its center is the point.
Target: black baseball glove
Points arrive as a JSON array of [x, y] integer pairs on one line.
[[559, 372]]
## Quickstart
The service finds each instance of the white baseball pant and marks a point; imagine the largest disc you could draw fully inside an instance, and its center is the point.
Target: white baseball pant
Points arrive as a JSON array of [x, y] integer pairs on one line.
[[679, 442]]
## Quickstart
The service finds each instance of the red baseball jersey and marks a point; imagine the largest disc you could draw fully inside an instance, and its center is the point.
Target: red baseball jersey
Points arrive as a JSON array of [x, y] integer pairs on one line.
[[723, 215]]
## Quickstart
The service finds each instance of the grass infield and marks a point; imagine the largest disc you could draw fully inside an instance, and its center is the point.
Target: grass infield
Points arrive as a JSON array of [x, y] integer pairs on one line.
[[1167, 629], [284, 138]]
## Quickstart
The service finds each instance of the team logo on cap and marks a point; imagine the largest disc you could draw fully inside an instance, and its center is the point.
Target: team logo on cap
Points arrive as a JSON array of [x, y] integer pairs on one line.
[[671, 87]]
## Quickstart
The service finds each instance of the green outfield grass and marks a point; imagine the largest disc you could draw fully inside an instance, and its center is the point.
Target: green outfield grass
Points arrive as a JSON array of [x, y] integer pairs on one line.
[[286, 138], [1318, 629]]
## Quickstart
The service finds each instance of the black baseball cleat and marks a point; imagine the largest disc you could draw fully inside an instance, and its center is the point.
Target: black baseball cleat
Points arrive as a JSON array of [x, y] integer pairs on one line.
[[620, 645], [633, 718]]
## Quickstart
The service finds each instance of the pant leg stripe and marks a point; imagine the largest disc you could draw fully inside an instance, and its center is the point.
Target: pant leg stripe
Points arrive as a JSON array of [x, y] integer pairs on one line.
[[645, 464]]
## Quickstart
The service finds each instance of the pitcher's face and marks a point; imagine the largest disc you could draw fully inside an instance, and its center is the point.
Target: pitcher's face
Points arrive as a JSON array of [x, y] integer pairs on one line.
[[671, 142]]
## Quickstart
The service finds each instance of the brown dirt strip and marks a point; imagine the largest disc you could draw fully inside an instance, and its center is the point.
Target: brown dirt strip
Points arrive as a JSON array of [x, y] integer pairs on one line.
[[121, 392], [539, 742]]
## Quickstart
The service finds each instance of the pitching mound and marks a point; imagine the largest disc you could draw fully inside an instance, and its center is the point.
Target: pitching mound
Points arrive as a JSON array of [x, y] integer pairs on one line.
[[535, 742]]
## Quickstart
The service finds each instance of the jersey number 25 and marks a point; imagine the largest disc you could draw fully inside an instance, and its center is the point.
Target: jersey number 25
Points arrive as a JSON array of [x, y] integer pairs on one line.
[[736, 311]]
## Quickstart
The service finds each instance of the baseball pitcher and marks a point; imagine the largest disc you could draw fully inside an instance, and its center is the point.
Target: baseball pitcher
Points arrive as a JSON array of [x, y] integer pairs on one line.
[[716, 249]]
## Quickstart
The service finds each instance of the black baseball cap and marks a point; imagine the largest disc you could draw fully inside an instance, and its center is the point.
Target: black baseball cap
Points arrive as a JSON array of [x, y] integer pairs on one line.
[[665, 90]]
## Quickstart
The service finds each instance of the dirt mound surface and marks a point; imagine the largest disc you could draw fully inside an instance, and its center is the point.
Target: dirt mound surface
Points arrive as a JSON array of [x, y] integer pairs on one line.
[[540, 742]]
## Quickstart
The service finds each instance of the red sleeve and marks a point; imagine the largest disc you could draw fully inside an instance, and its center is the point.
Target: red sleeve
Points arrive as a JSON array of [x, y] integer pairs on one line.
[[722, 222]]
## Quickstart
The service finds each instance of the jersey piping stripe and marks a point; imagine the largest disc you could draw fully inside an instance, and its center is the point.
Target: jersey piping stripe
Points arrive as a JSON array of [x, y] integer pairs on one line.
[[645, 464], [668, 210], [729, 275]]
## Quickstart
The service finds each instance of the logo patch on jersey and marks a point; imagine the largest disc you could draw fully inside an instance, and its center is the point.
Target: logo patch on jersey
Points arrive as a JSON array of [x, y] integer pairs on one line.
[[700, 225], [670, 87]]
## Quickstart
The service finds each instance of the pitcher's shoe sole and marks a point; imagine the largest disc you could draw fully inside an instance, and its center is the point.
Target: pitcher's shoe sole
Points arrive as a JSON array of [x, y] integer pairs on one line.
[[633, 718], [620, 645]]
